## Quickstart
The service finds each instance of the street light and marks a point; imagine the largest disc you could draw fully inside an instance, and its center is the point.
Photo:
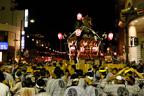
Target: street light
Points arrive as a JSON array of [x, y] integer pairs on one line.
[[32, 20]]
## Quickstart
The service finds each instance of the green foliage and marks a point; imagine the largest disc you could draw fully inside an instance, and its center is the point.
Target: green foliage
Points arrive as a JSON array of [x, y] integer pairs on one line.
[[86, 21]]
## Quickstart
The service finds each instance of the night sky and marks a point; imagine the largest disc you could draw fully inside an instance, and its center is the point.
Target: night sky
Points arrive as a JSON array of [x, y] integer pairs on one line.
[[54, 16]]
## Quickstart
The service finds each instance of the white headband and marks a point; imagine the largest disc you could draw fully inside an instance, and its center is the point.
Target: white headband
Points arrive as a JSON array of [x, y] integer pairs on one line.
[[119, 78], [18, 77], [40, 87], [76, 79], [90, 70], [91, 78]]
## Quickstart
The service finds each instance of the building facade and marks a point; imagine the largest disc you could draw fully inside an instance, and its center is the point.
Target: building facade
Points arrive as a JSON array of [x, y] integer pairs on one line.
[[133, 17], [10, 28]]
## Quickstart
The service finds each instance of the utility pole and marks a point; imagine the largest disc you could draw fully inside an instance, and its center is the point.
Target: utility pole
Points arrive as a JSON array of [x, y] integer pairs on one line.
[[20, 40]]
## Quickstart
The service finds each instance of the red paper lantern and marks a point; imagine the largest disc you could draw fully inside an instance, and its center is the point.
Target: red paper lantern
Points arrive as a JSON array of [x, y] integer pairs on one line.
[[95, 49], [72, 48], [101, 54], [78, 32], [82, 49], [115, 53], [108, 49], [79, 16], [110, 36], [60, 36]]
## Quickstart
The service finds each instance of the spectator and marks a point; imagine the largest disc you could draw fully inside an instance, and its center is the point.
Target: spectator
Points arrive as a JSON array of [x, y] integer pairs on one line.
[[73, 67], [4, 89], [7, 75], [102, 73], [27, 88], [66, 76], [40, 84], [58, 86], [14, 89], [82, 82], [75, 90]]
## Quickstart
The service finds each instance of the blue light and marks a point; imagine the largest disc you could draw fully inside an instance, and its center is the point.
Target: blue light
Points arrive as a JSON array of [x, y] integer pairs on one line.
[[3, 45]]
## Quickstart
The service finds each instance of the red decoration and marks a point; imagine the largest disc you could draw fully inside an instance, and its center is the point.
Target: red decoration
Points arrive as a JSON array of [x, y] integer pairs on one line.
[[79, 16], [72, 49], [78, 32], [82, 49], [94, 49], [110, 36], [102, 54], [115, 53], [108, 49], [60, 36]]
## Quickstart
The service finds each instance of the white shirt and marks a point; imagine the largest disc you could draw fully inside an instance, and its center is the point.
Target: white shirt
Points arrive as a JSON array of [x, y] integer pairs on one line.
[[4, 90]]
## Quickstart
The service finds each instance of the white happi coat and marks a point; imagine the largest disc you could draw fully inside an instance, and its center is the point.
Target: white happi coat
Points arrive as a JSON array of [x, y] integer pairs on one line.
[[15, 89], [43, 94], [93, 91], [4, 90], [49, 84], [58, 87], [112, 89], [26, 91], [75, 91], [9, 77], [82, 82]]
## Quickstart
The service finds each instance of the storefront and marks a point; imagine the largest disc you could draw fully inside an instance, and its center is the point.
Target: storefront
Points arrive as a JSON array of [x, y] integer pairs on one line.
[[9, 42]]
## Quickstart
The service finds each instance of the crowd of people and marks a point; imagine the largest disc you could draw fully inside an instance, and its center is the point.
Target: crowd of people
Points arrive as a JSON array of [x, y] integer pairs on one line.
[[36, 80]]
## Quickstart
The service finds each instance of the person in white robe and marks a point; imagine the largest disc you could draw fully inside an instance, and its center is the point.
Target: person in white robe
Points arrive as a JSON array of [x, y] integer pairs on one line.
[[91, 88], [58, 86], [7, 75], [40, 85], [75, 90], [15, 88], [4, 89]]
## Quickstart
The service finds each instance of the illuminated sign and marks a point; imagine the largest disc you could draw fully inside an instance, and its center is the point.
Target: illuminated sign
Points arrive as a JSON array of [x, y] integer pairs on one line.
[[26, 18], [3, 45], [23, 40]]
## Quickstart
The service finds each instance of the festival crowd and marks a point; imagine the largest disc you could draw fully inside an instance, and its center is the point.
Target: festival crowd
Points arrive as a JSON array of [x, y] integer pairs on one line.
[[35, 80]]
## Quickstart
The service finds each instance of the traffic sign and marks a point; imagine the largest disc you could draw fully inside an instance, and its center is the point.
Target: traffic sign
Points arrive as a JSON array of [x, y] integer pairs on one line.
[[26, 55]]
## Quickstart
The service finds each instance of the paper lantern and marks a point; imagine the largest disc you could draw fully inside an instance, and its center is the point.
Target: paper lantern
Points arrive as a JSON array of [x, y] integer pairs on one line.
[[72, 49], [94, 49], [78, 32], [79, 16], [110, 36], [81, 49], [60, 36]]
